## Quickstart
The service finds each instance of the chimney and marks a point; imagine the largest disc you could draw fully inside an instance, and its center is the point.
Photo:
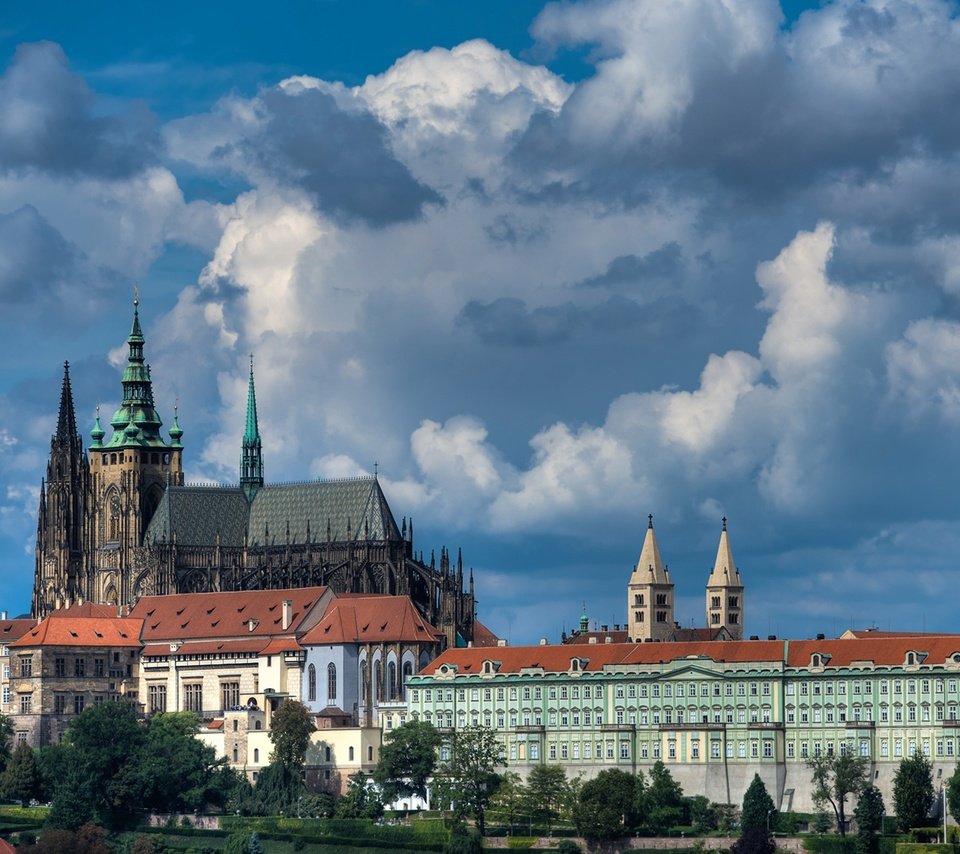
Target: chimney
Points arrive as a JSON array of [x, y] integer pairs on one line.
[[3, 615], [543, 641], [287, 614], [501, 642], [608, 639], [592, 639]]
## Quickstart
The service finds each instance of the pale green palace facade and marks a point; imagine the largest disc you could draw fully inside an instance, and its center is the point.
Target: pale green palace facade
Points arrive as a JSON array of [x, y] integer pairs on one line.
[[714, 712]]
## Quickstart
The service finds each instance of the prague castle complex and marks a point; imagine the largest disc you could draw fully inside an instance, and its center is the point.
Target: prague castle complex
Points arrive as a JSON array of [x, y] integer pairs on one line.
[[118, 522], [226, 600]]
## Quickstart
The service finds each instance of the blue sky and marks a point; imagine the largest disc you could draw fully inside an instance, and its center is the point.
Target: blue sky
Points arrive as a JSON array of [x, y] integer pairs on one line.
[[552, 266]]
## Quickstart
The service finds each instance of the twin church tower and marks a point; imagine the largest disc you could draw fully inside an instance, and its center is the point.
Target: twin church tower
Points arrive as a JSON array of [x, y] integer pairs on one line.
[[650, 596]]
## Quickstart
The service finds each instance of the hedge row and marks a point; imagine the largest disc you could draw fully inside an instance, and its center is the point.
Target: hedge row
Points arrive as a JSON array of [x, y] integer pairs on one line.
[[432, 831]]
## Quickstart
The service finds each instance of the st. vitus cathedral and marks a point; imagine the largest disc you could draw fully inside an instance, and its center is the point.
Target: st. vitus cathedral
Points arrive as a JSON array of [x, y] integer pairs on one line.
[[119, 522]]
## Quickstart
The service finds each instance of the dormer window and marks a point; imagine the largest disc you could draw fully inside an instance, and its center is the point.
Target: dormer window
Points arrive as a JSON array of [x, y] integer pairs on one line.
[[574, 664], [819, 659], [914, 658]]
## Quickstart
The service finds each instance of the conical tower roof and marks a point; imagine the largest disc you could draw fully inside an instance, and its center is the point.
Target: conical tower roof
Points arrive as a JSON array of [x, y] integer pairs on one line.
[[650, 568], [725, 572], [251, 457]]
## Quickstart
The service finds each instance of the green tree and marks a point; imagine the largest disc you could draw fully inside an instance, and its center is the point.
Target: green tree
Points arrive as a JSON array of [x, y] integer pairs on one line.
[[360, 800], [754, 841], [21, 780], [6, 737], [835, 778], [663, 802], [869, 816], [177, 771], [278, 790], [73, 800], [758, 807], [464, 841], [913, 791], [290, 730], [468, 779], [511, 802], [607, 805], [107, 739], [703, 814], [953, 794], [408, 758], [547, 788]]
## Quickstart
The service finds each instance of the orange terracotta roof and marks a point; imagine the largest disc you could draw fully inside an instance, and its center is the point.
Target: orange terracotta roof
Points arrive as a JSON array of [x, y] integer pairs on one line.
[[362, 619], [482, 636], [617, 636], [877, 633], [11, 630], [83, 631], [215, 725], [278, 645], [556, 657], [222, 647], [224, 615], [86, 609], [888, 651], [6, 847]]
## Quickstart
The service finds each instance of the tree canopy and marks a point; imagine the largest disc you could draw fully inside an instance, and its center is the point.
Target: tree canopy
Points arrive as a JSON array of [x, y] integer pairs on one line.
[[757, 807], [913, 791], [869, 816], [408, 758], [290, 730], [468, 778], [835, 778], [663, 801], [607, 805]]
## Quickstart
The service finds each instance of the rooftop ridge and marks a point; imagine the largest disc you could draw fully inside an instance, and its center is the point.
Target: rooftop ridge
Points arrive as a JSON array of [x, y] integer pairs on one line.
[[355, 479]]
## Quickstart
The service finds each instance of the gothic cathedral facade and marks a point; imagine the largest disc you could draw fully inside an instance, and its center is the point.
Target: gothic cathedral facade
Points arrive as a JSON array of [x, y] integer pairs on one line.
[[119, 522]]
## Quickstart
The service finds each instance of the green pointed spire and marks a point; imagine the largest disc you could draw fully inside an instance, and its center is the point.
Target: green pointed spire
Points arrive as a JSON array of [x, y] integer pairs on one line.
[[97, 433], [176, 432], [251, 460], [137, 407]]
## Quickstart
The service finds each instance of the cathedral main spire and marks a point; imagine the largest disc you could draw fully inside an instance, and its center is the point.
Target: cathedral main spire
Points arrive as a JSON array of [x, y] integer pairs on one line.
[[137, 407], [251, 460]]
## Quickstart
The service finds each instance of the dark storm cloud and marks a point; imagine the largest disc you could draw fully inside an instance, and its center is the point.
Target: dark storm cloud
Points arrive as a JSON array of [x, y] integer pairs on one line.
[[842, 95], [628, 270], [509, 321], [34, 256], [51, 122], [342, 158]]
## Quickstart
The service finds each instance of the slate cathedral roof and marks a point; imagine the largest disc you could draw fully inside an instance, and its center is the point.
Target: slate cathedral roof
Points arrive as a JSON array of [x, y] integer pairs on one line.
[[354, 509]]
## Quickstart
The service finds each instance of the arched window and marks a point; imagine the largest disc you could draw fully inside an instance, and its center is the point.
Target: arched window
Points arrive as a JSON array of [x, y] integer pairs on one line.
[[331, 682], [363, 682], [407, 672], [392, 680], [312, 683], [377, 680], [351, 754], [256, 754]]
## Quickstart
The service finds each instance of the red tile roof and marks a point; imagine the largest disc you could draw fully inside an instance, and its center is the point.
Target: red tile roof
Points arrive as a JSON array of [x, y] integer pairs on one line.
[[888, 651], [83, 631], [877, 633], [86, 609], [556, 657], [11, 630], [215, 647], [617, 636], [374, 619], [482, 636], [225, 615]]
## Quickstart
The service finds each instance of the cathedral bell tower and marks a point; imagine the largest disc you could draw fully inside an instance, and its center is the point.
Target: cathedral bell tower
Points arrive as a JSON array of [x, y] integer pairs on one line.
[[725, 591], [59, 573], [650, 594], [128, 476]]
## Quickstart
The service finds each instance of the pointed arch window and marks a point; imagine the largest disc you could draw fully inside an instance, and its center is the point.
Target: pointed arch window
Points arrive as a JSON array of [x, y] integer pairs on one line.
[[331, 683], [407, 673], [312, 683], [377, 682], [392, 680], [363, 682]]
